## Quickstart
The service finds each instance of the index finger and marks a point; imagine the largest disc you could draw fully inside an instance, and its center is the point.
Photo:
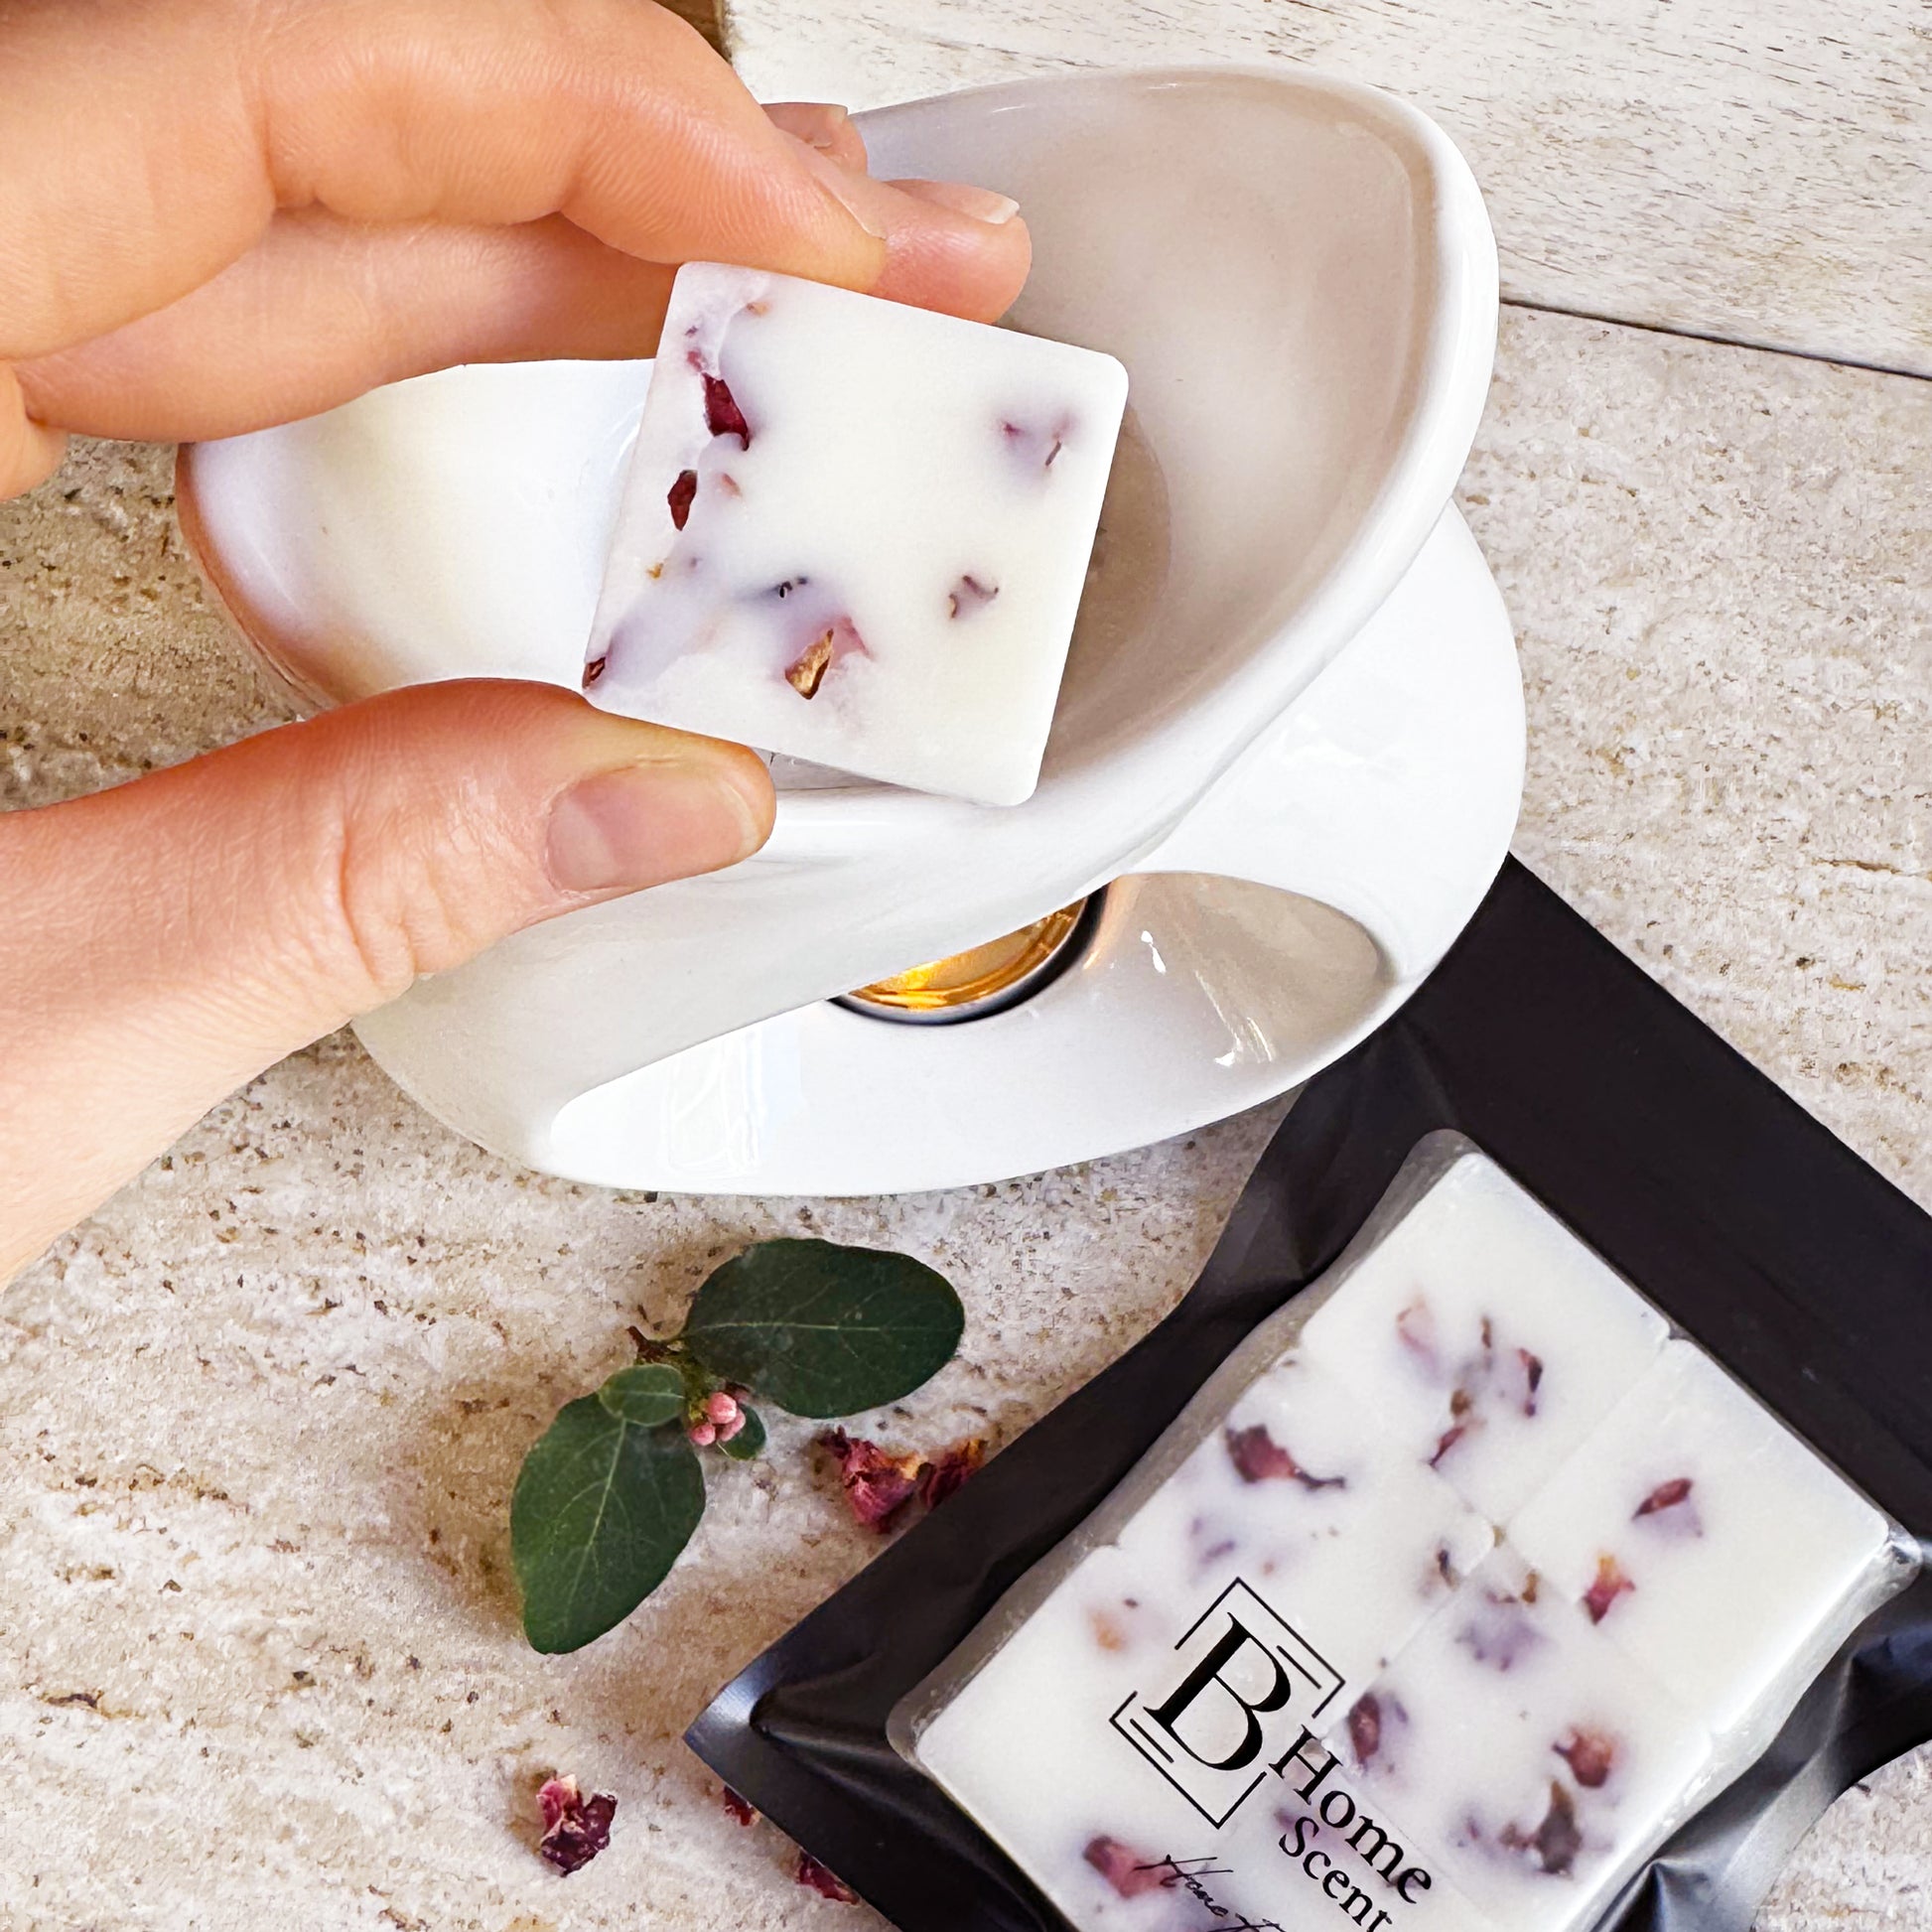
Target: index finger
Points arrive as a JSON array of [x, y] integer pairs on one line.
[[202, 117]]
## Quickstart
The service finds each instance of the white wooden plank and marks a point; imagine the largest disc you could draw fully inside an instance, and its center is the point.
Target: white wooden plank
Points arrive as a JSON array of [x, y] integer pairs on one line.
[[1756, 169]]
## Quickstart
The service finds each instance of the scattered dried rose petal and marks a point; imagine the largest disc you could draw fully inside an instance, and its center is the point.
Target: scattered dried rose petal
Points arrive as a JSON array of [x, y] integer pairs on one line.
[[1446, 1565], [828, 1884], [970, 595], [680, 497], [1447, 1441], [1035, 447], [1532, 1376], [876, 1484], [1665, 1495], [575, 1827], [1488, 1334], [1610, 1584], [808, 672], [1365, 1727], [1590, 1756], [947, 1475], [593, 670], [1258, 1458], [1124, 1868], [1558, 1840], [722, 415], [1415, 1329], [1106, 1632], [1498, 1631], [821, 649], [738, 1809]]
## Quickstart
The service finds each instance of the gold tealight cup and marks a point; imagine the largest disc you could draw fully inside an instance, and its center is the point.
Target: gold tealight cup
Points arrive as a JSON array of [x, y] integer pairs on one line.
[[984, 978]]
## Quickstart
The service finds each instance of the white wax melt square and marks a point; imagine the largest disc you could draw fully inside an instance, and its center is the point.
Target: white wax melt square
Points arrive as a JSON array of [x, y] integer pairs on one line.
[[1301, 1495], [1708, 1541], [1520, 1752], [1487, 1337], [1326, 1862], [1029, 1747], [856, 532], [1054, 1749], [1286, 1556]]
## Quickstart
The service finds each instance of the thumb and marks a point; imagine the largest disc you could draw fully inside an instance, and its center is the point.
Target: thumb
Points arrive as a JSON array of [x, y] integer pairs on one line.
[[30, 452], [168, 939]]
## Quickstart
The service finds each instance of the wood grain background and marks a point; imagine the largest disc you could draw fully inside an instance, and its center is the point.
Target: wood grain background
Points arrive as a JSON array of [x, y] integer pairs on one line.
[[1756, 170]]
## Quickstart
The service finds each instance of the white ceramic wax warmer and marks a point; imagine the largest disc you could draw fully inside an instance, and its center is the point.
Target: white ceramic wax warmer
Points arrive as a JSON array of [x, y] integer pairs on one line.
[[1301, 279]]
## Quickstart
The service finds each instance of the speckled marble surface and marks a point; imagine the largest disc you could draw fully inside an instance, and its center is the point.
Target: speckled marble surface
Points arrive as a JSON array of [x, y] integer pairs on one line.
[[260, 1416]]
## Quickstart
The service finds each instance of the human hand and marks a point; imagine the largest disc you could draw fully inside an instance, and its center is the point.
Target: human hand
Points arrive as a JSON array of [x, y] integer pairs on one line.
[[220, 214]]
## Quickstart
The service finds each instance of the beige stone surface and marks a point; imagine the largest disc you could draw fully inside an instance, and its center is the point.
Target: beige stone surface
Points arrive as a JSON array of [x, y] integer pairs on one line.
[[1756, 169], [1719, 566], [259, 1418]]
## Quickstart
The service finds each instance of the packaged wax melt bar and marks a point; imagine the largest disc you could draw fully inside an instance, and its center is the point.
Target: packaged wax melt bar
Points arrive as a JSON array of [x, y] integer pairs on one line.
[[1485, 1338], [1294, 1562], [1517, 1527], [856, 532], [1704, 1539]]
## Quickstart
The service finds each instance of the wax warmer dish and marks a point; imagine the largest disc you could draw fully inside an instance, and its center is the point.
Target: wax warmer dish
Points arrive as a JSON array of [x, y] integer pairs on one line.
[[1289, 746]]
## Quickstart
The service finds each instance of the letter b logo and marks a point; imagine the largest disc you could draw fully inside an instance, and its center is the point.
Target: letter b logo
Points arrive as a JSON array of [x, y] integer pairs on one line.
[[1242, 1681], [1245, 1674]]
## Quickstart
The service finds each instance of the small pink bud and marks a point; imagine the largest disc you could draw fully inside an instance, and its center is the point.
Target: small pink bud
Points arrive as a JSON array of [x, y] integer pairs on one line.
[[736, 1427], [704, 1434], [721, 1408]]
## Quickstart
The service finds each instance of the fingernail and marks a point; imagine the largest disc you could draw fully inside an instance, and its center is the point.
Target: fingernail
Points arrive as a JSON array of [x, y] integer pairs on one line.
[[642, 824], [818, 124], [978, 203], [857, 194]]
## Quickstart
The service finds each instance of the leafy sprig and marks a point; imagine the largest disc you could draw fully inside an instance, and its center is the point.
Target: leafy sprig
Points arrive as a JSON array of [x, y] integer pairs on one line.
[[610, 1494]]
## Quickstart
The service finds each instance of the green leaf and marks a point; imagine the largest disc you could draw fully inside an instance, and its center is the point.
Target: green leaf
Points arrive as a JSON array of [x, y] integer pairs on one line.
[[748, 1441], [823, 1329], [646, 1394], [601, 1512]]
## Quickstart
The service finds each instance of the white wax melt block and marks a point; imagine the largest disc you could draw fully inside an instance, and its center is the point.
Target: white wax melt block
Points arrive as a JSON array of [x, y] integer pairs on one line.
[[1710, 1542], [1325, 1859], [1486, 1336], [856, 532], [1302, 1494], [1029, 1748], [1520, 1752], [1295, 1539], [1052, 1750]]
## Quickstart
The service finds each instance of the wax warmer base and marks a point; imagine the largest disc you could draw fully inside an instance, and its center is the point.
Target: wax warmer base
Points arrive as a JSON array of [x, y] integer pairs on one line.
[[1196, 997]]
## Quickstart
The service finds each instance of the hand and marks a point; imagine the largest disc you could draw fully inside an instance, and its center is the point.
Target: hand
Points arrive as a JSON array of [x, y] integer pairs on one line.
[[216, 214]]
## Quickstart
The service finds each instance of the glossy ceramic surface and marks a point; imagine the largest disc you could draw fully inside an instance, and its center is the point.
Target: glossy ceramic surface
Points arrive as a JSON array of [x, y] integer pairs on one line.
[[1301, 281]]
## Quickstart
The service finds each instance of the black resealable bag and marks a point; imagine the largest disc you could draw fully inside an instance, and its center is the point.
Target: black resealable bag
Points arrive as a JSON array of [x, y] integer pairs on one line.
[[1518, 1525]]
